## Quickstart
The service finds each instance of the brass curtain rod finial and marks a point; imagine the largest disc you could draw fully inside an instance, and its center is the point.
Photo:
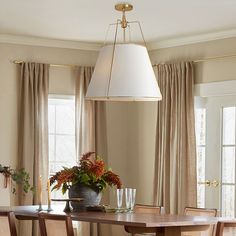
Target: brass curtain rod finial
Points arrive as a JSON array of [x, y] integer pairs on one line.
[[17, 61]]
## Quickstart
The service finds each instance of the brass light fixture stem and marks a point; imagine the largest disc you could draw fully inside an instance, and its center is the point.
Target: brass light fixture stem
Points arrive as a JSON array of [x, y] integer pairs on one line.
[[124, 25], [124, 22], [124, 7]]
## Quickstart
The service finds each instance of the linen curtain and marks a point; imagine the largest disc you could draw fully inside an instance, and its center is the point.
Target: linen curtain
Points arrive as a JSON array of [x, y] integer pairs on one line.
[[33, 132], [175, 182], [90, 129]]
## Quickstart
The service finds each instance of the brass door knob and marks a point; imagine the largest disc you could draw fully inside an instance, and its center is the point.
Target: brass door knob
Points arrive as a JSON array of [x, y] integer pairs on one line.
[[215, 183]]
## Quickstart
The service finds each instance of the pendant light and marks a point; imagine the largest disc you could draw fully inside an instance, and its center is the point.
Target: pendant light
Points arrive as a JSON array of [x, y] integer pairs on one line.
[[123, 71]]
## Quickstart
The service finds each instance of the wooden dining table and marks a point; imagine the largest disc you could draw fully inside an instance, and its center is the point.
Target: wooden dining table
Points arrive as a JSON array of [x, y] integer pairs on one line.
[[169, 225]]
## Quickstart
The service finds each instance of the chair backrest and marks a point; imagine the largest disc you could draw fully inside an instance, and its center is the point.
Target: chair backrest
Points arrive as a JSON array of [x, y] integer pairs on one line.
[[139, 208], [7, 224], [225, 228], [55, 225], [192, 211]]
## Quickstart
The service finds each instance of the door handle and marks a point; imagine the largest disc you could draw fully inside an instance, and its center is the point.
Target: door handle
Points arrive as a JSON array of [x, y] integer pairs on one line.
[[215, 183], [207, 183]]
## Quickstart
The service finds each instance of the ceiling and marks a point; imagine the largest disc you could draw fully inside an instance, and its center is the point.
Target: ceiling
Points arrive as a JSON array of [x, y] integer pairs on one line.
[[88, 20]]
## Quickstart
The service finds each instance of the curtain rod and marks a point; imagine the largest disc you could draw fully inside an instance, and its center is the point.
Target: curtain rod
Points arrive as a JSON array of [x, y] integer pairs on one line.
[[216, 58], [54, 65]]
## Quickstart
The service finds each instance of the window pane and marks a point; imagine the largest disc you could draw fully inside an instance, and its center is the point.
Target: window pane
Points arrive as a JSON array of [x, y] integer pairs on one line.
[[228, 201], [51, 144], [228, 165], [201, 195], [59, 165], [65, 148], [51, 168], [228, 125], [201, 176], [51, 119], [200, 125], [65, 119], [201, 164]]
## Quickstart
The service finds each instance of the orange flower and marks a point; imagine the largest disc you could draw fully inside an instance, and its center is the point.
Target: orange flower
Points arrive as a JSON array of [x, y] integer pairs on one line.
[[85, 162], [112, 179], [97, 168], [66, 175]]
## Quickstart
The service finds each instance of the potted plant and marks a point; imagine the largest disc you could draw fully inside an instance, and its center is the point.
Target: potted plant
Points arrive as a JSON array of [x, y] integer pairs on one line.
[[16, 176], [86, 180]]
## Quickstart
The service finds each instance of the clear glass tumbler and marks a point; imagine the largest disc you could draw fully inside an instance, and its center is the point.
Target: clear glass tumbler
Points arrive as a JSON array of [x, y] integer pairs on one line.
[[128, 192], [119, 194], [132, 202]]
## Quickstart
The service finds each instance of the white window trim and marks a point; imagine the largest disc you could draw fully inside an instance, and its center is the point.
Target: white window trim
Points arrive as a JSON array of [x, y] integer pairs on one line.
[[224, 88], [60, 96]]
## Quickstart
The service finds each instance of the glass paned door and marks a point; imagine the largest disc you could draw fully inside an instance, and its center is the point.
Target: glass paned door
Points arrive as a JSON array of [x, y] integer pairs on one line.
[[228, 161], [216, 160]]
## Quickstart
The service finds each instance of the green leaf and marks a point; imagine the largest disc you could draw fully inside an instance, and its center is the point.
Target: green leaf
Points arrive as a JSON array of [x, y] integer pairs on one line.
[[64, 188], [84, 178]]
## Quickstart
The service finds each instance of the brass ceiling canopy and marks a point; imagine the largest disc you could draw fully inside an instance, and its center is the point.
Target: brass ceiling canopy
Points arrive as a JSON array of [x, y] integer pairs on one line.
[[124, 7]]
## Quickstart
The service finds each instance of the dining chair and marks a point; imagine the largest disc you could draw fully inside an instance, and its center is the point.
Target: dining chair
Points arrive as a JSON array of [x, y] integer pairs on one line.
[[145, 209], [55, 225], [7, 224], [226, 228], [194, 211], [140, 208]]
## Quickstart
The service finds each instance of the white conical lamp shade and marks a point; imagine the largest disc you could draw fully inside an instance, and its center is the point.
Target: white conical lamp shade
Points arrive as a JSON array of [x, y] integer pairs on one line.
[[126, 76]]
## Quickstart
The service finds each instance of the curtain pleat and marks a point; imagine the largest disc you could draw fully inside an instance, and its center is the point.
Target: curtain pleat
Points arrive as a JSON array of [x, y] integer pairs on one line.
[[175, 185], [33, 133]]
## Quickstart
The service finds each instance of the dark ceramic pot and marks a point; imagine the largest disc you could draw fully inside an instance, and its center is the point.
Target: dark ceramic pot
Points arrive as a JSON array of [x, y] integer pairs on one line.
[[90, 196]]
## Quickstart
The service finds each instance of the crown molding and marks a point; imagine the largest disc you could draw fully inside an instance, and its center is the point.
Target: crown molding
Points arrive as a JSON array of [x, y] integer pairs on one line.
[[44, 42], [168, 43], [198, 38]]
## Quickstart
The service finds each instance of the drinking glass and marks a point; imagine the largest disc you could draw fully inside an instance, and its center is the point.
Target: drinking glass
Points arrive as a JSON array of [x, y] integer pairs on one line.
[[119, 194], [132, 202], [128, 192]]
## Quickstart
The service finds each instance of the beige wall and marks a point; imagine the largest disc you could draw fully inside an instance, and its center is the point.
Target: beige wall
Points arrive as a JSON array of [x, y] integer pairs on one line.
[[61, 81]]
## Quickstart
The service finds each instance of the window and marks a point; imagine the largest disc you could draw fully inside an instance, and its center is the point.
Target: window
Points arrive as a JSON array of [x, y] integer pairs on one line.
[[200, 127], [61, 124], [228, 161]]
